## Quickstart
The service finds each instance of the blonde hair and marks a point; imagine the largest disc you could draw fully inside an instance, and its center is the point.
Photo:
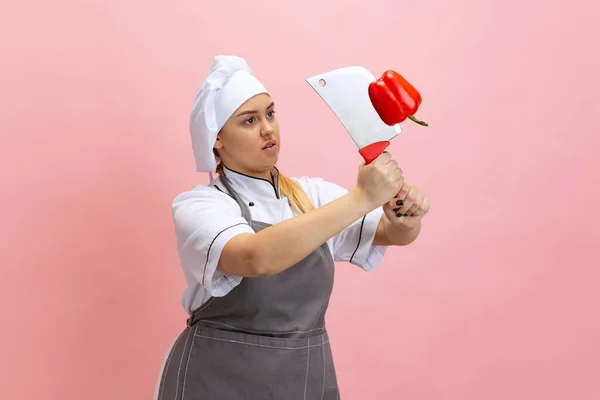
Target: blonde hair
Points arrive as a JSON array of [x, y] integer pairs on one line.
[[297, 197], [299, 200]]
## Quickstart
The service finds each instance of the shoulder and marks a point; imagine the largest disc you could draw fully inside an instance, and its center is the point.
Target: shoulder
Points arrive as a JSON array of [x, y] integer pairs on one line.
[[320, 190], [203, 199]]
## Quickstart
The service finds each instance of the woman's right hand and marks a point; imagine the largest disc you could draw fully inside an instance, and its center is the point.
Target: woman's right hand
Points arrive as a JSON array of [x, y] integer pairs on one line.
[[380, 181]]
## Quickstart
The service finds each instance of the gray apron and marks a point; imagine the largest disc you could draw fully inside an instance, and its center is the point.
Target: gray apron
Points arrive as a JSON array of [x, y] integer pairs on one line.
[[264, 340]]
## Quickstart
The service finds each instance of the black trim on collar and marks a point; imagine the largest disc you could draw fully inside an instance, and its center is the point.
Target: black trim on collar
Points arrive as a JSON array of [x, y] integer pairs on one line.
[[259, 179]]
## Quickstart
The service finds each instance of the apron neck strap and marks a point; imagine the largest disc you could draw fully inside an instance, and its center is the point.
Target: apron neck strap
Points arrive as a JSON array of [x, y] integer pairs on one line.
[[245, 210]]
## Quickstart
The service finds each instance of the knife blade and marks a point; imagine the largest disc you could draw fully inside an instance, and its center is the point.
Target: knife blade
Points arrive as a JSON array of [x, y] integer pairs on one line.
[[345, 91]]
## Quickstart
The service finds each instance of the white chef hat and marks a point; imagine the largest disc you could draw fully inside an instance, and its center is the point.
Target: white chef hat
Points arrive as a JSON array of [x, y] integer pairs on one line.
[[229, 84]]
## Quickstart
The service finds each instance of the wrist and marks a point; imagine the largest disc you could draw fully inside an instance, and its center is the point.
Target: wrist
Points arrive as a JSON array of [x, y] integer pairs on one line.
[[362, 200]]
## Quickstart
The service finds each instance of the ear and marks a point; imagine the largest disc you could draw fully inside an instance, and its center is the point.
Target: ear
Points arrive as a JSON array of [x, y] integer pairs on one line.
[[218, 143]]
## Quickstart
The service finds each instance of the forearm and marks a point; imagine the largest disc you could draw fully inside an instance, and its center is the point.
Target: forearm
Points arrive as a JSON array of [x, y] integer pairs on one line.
[[282, 245], [390, 235]]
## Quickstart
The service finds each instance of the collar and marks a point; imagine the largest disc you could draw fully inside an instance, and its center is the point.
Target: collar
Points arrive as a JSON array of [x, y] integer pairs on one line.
[[256, 186]]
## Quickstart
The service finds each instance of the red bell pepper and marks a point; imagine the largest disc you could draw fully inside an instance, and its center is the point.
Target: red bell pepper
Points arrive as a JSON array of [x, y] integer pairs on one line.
[[395, 99]]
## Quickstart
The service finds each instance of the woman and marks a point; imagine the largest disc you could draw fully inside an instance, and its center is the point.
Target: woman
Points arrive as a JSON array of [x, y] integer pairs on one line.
[[258, 248]]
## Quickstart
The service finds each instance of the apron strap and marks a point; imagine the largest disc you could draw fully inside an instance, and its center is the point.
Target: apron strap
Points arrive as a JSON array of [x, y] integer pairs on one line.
[[245, 210]]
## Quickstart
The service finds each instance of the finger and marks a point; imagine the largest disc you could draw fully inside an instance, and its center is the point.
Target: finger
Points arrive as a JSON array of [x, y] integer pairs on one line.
[[396, 168], [395, 175], [392, 163], [407, 221], [417, 197], [390, 167], [424, 208], [408, 199], [384, 158], [416, 205], [408, 203], [404, 190], [395, 203], [389, 212], [398, 185], [398, 201]]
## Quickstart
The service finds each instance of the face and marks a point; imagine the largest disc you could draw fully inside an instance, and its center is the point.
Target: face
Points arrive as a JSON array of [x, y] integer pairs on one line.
[[249, 140]]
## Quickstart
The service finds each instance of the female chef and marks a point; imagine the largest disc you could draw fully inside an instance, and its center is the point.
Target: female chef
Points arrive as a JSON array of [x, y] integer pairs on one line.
[[258, 248]]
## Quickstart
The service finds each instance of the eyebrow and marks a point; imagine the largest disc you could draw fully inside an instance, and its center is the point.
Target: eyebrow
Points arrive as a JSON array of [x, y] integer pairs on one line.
[[254, 111]]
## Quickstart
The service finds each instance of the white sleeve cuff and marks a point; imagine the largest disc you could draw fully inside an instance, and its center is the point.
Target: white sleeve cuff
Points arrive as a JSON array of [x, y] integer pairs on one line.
[[367, 256], [216, 282]]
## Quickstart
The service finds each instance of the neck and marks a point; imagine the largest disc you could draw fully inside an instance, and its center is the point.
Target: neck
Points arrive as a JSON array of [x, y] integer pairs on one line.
[[260, 174]]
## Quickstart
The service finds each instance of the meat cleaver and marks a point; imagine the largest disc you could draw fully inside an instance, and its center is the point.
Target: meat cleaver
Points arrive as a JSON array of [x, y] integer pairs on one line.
[[346, 92]]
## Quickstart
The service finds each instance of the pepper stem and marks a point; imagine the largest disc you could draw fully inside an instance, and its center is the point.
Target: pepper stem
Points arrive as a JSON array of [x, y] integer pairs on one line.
[[412, 118]]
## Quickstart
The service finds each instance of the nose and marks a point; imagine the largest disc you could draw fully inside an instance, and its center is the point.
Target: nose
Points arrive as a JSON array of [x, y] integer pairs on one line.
[[267, 129]]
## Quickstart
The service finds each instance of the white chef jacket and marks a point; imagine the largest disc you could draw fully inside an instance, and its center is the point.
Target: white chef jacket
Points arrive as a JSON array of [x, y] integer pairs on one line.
[[207, 217]]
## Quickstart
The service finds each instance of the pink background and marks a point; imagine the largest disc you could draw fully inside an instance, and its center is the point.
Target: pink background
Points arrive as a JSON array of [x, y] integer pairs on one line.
[[499, 297]]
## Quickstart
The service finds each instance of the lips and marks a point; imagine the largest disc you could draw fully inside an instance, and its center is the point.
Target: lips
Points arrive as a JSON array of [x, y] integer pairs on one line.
[[269, 144]]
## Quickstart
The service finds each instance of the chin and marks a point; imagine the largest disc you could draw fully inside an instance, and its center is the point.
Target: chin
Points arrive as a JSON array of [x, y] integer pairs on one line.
[[273, 158], [268, 164]]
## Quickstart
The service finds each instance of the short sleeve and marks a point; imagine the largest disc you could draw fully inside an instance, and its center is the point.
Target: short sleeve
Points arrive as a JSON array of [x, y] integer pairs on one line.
[[355, 243], [205, 220]]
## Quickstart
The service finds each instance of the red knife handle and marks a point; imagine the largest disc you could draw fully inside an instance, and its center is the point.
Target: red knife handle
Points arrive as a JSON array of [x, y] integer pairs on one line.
[[374, 150]]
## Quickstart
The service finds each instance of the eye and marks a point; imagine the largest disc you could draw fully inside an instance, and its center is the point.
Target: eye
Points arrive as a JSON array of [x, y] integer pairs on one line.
[[249, 121], [271, 114]]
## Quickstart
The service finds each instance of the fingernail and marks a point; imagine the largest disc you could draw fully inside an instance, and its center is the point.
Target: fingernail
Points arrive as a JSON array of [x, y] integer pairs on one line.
[[399, 202], [399, 215], [396, 209]]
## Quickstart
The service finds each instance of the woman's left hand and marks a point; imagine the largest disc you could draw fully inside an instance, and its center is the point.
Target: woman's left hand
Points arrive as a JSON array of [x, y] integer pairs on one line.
[[406, 209]]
